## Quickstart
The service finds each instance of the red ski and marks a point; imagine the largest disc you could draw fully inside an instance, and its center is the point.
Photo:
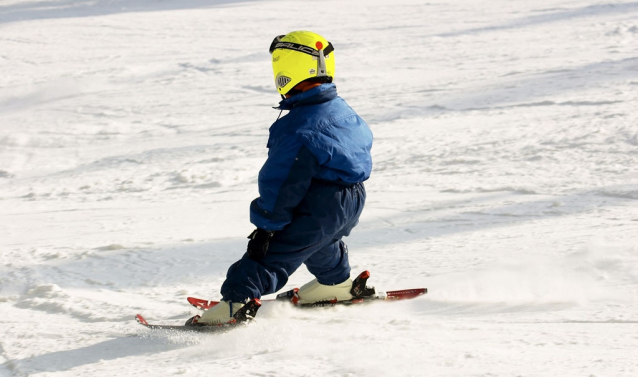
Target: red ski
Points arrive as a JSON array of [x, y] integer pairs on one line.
[[242, 317], [360, 292]]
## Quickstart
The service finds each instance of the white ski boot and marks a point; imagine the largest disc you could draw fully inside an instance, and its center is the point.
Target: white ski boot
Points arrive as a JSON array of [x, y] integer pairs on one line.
[[313, 292], [220, 314], [322, 295]]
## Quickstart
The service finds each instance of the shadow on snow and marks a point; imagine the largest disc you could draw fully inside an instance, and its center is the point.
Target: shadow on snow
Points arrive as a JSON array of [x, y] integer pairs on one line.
[[107, 350]]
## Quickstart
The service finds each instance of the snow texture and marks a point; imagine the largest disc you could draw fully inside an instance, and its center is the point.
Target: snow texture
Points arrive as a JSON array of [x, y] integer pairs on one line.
[[505, 181]]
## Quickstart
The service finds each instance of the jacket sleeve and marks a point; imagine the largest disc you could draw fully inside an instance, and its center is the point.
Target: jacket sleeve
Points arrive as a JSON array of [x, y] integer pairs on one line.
[[283, 182]]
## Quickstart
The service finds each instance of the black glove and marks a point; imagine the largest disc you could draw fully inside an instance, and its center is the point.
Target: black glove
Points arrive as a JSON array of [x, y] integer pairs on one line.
[[258, 244]]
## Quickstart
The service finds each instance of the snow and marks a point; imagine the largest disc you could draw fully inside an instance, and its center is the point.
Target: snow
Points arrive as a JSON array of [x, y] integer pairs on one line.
[[506, 146]]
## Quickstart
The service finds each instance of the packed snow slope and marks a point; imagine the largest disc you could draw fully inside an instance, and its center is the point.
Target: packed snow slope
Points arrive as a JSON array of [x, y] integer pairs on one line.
[[505, 181]]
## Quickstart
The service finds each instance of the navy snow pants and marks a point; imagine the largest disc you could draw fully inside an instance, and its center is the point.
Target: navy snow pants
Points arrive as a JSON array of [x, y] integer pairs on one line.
[[327, 213]]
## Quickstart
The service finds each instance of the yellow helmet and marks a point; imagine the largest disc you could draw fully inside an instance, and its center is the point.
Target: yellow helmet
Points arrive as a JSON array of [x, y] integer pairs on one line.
[[299, 56]]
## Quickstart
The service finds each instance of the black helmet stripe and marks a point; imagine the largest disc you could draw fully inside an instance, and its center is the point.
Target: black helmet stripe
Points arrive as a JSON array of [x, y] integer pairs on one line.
[[274, 42], [297, 47]]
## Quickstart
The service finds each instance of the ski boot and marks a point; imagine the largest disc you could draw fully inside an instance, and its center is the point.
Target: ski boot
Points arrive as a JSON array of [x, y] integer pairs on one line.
[[314, 292], [226, 313]]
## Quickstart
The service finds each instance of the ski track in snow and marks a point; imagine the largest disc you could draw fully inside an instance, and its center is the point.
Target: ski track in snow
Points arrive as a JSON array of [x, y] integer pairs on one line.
[[506, 146]]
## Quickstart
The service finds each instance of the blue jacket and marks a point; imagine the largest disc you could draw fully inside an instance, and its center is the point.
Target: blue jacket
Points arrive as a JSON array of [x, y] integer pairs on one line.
[[320, 138]]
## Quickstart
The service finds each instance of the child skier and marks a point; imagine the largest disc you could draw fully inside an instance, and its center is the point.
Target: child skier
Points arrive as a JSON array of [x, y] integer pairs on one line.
[[311, 191]]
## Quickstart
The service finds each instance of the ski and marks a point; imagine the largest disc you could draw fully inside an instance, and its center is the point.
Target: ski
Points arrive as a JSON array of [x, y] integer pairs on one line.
[[404, 294], [219, 328], [241, 318], [360, 292]]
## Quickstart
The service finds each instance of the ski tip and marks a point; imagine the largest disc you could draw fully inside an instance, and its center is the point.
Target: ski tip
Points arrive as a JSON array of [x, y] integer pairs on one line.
[[141, 320], [194, 301], [200, 303]]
